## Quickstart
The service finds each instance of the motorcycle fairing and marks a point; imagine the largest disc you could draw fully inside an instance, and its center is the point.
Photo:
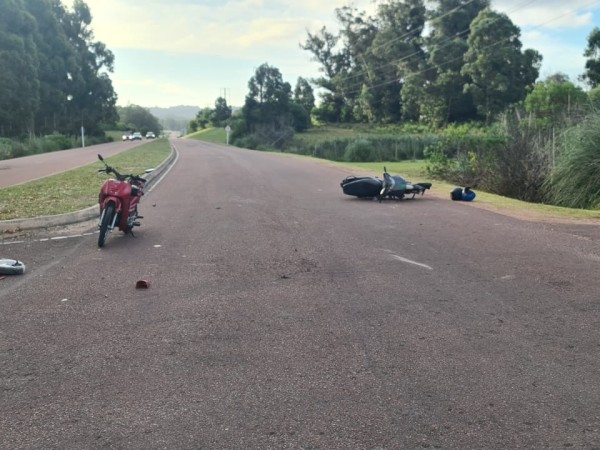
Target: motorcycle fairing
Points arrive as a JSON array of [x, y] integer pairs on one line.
[[390, 187], [362, 187]]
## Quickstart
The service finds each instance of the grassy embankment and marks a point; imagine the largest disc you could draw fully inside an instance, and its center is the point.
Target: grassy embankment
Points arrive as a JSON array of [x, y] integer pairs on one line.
[[415, 171], [78, 188], [214, 135]]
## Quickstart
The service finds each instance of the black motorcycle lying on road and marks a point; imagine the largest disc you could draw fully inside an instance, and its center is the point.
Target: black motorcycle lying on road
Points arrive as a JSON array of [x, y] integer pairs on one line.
[[392, 187]]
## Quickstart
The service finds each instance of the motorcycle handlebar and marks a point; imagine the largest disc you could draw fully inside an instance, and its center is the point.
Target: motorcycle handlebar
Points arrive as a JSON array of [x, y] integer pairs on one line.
[[120, 177]]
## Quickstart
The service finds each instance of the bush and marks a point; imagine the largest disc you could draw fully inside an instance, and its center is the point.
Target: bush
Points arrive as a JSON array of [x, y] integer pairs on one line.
[[521, 162], [575, 180], [5, 148], [464, 155], [53, 142], [10, 148], [398, 147], [360, 150]]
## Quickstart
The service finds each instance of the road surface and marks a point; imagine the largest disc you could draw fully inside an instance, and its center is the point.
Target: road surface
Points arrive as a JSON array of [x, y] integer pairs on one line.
[[285, 315], [29, 168]]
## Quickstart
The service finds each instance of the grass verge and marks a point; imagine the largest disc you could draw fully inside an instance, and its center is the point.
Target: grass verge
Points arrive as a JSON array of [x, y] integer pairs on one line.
[[214, 135], [78, 188]]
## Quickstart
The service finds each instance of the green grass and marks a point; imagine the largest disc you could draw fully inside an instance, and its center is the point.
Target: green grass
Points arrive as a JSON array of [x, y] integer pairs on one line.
[[411, 170], [214, 135], [78, 188]]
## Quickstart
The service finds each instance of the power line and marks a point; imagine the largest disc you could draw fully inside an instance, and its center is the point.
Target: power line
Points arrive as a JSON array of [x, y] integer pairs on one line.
[[359, 87], [443, 43], [488, 46]]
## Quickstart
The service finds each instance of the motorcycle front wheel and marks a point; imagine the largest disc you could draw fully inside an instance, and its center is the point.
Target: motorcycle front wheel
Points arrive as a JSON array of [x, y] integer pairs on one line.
[[107, 219]]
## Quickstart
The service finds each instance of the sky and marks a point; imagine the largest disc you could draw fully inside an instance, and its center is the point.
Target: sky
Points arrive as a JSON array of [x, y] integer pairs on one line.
[[190, 52]]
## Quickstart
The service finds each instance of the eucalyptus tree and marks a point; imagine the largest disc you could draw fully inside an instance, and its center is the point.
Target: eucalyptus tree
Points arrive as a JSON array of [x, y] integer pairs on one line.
[[363, 65], [357, 33], [396, 50], [57, 59], [19, 66], [434, 92], [499, 71], [304, 95], [222, 111], [138, 118], [592, 64], [334, 61], [91, 96], [447, 47], [267, 110]]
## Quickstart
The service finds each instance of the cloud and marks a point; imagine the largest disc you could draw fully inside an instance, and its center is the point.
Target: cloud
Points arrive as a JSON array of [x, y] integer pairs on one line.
[[245, 27], [548, 13], [176, 51], [558, 55]]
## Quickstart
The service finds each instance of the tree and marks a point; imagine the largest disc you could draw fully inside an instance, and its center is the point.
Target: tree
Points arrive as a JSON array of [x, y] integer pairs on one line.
[[323, 45], [57, 58], [269, 113], [304, 95], [19, 65], [268, 100], [53, 76], [592, 65], [500, 73], [138, 118], [445, 100], [92, 99], [553, 103], [203, 118], [395, 51], [221, 113]]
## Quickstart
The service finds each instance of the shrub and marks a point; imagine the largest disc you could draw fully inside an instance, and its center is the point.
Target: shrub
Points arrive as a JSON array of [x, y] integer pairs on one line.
[[464, 155], [575, 180], [398, 147], [5, 148], [360, 150]]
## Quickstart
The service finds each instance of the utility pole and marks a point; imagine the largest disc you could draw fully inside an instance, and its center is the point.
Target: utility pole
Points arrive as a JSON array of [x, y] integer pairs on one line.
[[226, 94]]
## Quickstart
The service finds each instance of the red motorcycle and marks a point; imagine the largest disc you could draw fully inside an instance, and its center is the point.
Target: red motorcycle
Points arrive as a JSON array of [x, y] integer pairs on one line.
[[119, 198]]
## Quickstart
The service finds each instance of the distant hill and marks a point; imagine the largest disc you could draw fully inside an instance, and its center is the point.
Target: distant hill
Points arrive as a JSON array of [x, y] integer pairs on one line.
[[174, 117]]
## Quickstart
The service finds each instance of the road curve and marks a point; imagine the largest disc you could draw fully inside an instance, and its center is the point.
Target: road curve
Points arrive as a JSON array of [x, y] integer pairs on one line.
[[28, 168], [285, 315]]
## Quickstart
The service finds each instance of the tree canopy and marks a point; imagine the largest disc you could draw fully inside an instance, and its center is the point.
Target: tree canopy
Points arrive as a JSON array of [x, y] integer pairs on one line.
[[137, 118], [386, 69], [592, 64], [54, 77]]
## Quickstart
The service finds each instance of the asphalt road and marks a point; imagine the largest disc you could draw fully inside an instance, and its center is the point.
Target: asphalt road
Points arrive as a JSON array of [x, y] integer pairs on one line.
[[284, 315], [29, 168]]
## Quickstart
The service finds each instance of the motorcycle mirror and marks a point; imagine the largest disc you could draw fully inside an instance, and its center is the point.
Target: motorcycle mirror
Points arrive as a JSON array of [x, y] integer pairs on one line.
[[100, 157]]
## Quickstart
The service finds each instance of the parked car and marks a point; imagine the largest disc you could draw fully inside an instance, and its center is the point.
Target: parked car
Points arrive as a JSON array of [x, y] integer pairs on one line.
[[126, 137], [150, 135], [137, 136]]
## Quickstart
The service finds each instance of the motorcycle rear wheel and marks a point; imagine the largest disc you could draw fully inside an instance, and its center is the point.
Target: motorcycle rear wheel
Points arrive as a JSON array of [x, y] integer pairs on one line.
[[107, 219]]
